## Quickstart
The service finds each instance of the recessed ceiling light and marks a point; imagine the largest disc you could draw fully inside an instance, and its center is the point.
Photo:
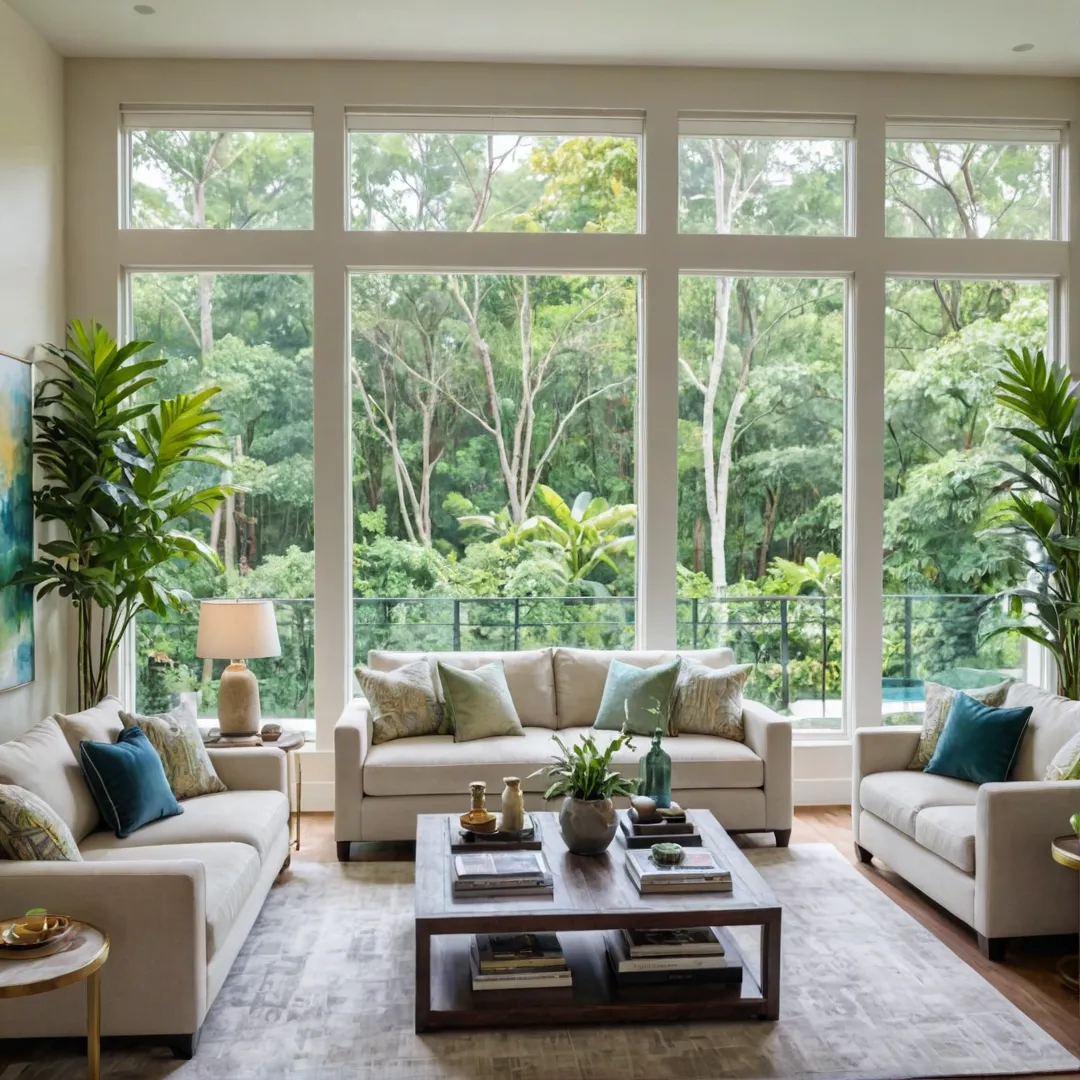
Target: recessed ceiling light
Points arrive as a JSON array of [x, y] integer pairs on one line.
[[145, 9], [1025, 47]]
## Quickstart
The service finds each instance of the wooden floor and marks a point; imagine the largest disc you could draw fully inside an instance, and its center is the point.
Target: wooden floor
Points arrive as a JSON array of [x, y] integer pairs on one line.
[[1028, 976]]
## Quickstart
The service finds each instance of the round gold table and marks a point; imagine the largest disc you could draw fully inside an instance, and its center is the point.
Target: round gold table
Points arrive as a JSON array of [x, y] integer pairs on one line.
[[82, 960], [1066, 851]]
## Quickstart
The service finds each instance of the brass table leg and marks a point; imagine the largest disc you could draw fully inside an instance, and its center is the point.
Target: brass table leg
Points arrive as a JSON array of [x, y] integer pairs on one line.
[[93, 1026], [299, 796]]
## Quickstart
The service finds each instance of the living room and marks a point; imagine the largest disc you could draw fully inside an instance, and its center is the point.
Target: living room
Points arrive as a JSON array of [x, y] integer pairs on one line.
[[703, 369]]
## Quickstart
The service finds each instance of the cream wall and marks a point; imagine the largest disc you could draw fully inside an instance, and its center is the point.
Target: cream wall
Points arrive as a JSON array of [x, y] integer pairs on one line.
[[32, 286], [99, 252]]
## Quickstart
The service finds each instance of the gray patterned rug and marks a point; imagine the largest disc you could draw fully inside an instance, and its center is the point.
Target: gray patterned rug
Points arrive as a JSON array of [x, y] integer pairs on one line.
[[323, 990]]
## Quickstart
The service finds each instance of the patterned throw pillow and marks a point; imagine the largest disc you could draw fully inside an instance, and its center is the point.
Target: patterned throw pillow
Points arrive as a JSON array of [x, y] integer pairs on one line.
[[1066, 762], [939, 701], [402, 701], [708, 701], [176, 738], [30, 830]]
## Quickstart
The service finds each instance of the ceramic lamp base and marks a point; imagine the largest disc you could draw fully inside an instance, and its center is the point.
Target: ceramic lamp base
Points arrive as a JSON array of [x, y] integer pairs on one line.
[[239, 711]]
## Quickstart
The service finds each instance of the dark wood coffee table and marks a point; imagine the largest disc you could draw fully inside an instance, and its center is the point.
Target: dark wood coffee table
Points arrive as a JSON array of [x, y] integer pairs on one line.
[[593, 894]]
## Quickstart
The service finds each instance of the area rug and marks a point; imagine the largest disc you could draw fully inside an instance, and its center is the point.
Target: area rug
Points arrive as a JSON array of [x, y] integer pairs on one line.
[[323, 990]]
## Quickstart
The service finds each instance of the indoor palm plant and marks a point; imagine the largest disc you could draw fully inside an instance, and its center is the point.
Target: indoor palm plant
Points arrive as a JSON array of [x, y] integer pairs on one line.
[[109, 458], [1042, 512], [582, 774]]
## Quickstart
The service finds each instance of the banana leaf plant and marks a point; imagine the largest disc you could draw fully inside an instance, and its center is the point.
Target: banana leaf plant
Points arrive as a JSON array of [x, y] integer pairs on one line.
[[1042, 512], [583, 771], [110, 459]]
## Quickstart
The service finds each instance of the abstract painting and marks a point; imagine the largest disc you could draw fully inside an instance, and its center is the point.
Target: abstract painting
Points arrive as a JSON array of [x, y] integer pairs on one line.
[[16, 520]]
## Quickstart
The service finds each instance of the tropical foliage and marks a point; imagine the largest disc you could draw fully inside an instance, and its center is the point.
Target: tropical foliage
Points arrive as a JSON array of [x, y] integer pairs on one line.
[[583, 771]]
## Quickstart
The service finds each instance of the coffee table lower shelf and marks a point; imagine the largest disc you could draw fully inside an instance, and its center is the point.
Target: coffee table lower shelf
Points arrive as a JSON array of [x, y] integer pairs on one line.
[[595, 998]]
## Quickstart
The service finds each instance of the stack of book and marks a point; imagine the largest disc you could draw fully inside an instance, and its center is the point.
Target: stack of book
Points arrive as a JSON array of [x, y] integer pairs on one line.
[[699, 871], [518, 962], [650, 957], [501, 873]]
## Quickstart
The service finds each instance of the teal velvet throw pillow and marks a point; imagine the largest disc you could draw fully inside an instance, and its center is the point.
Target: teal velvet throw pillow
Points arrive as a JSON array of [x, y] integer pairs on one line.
[[978, 743], [640, 698], [127, 781]]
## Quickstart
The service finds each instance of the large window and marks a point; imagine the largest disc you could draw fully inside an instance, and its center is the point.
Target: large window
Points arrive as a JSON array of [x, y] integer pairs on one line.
[[493, 174], [764, 177], [944, 449], [998, 183], [761, 434], [211, 171], [249, 334], [493, 460]]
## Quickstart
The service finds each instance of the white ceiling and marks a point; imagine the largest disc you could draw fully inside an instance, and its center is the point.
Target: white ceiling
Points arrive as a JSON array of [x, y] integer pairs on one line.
[[890, 35]]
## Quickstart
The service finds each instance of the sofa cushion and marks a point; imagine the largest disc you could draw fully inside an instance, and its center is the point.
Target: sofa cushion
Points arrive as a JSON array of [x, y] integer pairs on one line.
[[436, 765], [99, 723], [528, 674], [581, 674], [254, 818], [41, 761], [230, 870], [939, 700], [948, 831], [1054, 720], [898, 797]]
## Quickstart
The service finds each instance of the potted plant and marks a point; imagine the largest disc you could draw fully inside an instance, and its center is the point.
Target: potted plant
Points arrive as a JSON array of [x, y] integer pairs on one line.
[[1042, 513], [582, 774], [111, 457]]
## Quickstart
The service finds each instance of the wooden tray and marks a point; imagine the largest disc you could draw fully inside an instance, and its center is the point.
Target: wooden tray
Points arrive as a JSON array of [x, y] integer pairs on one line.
[[462, 842], [635, 836]]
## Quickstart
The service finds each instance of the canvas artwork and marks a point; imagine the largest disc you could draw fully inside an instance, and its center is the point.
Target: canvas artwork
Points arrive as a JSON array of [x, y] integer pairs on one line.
[[16, 521]]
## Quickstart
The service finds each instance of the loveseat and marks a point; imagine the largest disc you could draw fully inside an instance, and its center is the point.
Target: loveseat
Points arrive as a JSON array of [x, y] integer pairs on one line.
[[380, 789], [177, 897], [982, 852]]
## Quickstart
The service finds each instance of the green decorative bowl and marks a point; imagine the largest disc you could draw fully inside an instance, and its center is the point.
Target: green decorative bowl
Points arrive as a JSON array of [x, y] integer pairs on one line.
[[667, 854]]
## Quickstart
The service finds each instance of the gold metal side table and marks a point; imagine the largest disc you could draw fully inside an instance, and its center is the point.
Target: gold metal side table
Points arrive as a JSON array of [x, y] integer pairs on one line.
[[82, 960], [290, 742], [1066, 851]]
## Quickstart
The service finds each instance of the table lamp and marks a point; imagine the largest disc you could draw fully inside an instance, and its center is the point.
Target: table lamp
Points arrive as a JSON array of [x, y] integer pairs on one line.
[[237, 628]]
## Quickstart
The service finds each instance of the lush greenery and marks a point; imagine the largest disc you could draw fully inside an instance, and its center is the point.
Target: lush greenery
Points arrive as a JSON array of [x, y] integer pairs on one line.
[[583, 771], [1043, 511], [111, 471], [493, 415]]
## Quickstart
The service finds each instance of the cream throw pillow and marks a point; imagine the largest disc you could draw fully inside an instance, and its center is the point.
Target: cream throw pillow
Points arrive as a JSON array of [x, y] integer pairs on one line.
[[31, 830], [176, 738], [708, 701], [1066, 762], [402, 701], [939, 701]]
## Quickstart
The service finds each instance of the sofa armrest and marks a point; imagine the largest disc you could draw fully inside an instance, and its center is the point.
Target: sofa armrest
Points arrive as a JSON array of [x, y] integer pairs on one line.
[[352, 739], [251, 768], [155, 915], [769, 735], [874, 750], [1020, 890]]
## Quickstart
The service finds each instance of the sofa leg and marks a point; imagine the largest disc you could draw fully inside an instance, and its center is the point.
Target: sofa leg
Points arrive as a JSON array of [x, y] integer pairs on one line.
[[184, 1046], [993, 948], [343, 850], [783, 837], [864, 855]]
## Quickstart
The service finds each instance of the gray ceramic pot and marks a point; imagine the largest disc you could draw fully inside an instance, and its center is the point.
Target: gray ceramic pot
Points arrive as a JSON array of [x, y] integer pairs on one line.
[[588, 825]]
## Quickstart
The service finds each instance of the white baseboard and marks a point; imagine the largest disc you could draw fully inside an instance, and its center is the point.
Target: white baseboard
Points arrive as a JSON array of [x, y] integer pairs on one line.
[[318, 796], [824, 791]]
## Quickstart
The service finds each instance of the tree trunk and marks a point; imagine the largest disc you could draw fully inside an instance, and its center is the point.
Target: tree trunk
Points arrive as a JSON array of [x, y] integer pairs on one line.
[[772, 505]]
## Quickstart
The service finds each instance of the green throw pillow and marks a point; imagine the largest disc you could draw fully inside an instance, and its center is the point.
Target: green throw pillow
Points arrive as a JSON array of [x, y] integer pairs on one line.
[[939, 701], [31, 831], [1066, 762], [979, 743], [640, 698], [478, 703]]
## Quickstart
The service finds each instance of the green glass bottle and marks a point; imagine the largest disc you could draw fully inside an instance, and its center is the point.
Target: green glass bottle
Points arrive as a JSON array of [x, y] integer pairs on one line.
[[655, 772]]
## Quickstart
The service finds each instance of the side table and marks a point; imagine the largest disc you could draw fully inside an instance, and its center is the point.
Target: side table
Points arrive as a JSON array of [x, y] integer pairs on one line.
[[287, 741], [1065, 850], [83, 960]]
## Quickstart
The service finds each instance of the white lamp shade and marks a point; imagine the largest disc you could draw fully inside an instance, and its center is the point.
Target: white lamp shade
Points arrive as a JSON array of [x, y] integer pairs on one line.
[[237, 630]]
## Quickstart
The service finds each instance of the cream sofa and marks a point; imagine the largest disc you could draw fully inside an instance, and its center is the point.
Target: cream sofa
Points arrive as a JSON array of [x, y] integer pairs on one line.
[[177, 898], [380, 789], [982, 852]]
